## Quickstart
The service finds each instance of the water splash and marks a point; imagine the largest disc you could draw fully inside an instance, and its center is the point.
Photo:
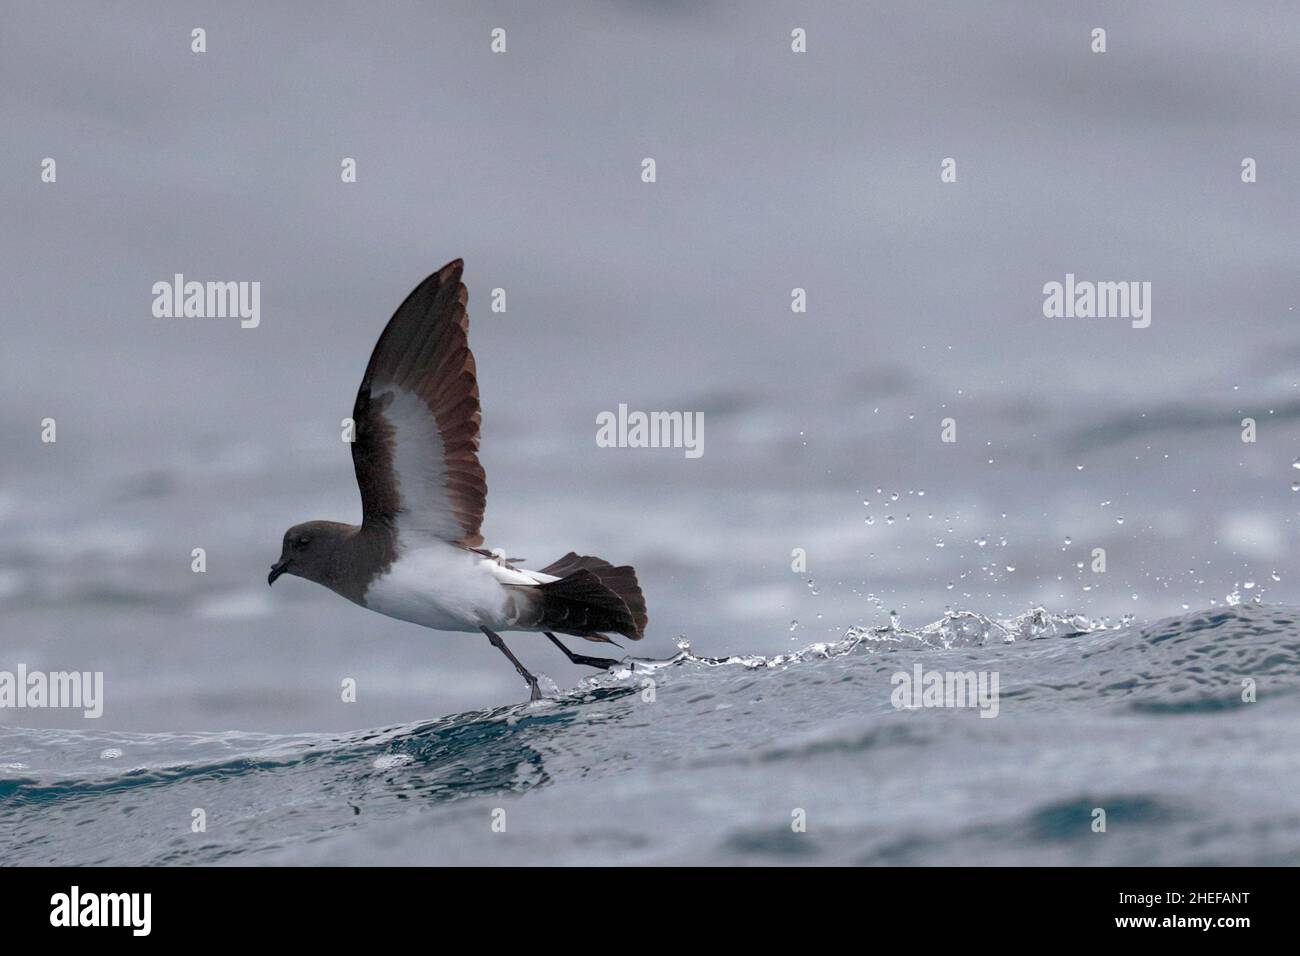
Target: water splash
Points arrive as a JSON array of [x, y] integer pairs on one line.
[[955, 629]]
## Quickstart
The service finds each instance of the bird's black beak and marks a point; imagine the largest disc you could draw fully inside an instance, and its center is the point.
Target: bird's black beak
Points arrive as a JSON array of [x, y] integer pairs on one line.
[[276, 571]]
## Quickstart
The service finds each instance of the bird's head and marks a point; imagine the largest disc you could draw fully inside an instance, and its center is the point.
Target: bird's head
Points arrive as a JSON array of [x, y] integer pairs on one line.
[[310, 550]]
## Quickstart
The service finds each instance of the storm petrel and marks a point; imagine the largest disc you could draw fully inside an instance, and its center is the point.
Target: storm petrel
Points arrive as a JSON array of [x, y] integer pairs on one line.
[[417, 554]]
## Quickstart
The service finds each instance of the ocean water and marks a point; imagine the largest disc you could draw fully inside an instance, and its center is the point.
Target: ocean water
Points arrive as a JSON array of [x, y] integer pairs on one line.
[[1123, 692], [826, 511], [688, 759]]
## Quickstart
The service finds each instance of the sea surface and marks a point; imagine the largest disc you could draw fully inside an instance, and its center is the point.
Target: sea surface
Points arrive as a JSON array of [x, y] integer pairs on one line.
[[805, 560], [1174, 742], [1126, 501]]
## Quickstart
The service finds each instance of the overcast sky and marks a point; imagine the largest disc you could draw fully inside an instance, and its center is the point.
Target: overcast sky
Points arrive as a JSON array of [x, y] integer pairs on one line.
[[775, 170]]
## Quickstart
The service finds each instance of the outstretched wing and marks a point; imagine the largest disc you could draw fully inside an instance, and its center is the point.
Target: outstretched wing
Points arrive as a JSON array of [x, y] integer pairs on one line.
[[417, 417]]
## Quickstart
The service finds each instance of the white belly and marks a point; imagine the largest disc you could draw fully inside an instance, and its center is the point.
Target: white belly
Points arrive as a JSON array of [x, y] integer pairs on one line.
[[443, 587]]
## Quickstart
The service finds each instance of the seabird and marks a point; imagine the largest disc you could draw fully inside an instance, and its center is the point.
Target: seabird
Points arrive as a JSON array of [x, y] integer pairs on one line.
[[417, 554]]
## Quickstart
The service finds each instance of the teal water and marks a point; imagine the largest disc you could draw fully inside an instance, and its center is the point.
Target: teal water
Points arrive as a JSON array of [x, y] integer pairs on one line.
[[688, 760]]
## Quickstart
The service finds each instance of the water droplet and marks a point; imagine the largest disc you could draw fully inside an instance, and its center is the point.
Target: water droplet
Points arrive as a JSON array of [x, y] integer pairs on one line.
[[793, 626]]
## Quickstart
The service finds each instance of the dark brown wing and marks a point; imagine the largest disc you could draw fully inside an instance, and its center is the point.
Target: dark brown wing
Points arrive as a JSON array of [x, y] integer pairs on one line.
[[417, 419]]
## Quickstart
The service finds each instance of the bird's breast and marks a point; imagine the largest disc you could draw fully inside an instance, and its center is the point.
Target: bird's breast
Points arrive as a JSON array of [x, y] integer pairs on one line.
[[441, 587]]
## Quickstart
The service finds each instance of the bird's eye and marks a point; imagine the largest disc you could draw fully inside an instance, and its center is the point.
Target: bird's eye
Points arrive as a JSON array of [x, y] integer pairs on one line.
[[304, 541]]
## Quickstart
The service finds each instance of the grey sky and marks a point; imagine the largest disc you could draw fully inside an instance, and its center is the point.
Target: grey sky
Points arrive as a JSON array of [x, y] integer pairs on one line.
[[775, 170]]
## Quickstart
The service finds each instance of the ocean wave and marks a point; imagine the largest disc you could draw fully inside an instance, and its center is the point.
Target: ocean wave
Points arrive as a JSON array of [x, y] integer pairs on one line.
[[715, 744]]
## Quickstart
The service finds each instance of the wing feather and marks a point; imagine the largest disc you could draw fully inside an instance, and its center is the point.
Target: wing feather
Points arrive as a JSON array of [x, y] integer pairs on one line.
[[417, 419]]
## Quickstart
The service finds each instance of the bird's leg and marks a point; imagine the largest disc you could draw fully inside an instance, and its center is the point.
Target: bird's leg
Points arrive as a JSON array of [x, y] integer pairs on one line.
[[604, 663], [533, 692]]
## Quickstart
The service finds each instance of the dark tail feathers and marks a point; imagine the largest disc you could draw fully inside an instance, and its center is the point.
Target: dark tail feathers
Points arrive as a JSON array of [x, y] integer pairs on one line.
[[592, 597]]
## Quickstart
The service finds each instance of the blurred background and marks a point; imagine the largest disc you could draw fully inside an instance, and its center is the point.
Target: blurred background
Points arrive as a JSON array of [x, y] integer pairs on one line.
[[775, 170]]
